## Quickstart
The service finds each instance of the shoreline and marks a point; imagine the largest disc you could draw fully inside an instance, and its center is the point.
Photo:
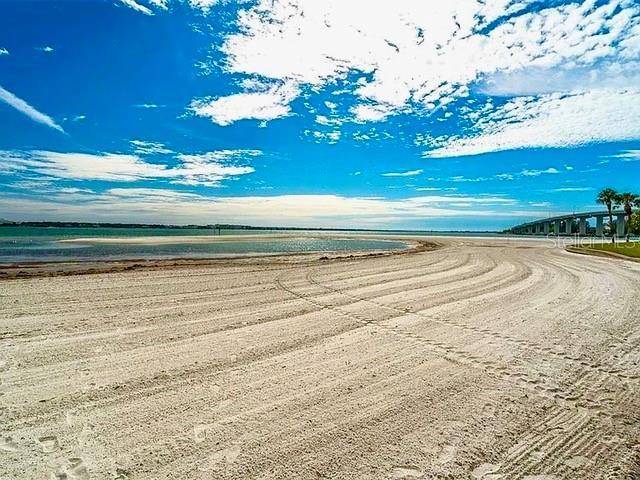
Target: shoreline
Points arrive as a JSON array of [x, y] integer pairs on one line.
[[34, 269]]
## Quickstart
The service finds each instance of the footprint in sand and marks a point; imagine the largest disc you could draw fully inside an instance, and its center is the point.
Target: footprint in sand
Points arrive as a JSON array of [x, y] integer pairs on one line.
[[485, 471], [405, 472], [121, 474], [76, 469], [49, 443], [227, 456], [8, 445], [577, 462], [448, 454]]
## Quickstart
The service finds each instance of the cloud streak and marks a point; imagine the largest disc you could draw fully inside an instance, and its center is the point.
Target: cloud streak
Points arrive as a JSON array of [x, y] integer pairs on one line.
[[408, 173], [207, 169], [23, 107]]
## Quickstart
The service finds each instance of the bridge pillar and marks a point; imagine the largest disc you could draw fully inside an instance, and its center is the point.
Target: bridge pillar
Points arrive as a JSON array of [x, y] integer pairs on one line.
[[556, 227], [620, 225], [599, 226], [567, 226], [546, 228], [583, 226]]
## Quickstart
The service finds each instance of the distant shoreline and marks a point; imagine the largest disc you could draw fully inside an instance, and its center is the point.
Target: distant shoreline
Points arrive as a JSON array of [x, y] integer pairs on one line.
[[143, 226]]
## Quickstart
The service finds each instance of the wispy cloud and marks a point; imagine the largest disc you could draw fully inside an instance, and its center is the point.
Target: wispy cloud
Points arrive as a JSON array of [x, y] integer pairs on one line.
[[506, 176], [148, 105], [149, 148], [571, 189], [4, 51], [208, 169], [537, 173], [436, 189], [23, 107], [45, 49], [627, 155], [146, 6], [137, 6], [408, 173], [550, 121]]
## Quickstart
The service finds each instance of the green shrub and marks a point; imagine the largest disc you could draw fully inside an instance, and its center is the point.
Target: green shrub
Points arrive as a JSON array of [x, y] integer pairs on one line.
[[634, 224]]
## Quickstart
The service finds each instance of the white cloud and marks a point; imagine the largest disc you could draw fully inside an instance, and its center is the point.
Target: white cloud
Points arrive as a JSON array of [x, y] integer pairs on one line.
[[45, 49], [551, 121], [329, 137], [261, 105], [627, 155], [163, 4], [505, 176], [371, 113], [83, 166], [204, 5], [77, 118], [137, 7], [23, 107], [145, 6], [415, 55], [149, 148], [212, 167], [208, 169], [563, 79], [436, 189], [408, 173], [537, 173], [572, 189], [147, 105], [4, 51]]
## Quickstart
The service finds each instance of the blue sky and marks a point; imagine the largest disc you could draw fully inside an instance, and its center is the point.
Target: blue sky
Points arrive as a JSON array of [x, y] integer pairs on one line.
[[424, 115]]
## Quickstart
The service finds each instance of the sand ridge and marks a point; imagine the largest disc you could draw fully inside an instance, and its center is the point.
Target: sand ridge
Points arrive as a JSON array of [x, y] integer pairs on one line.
[[483, 359]]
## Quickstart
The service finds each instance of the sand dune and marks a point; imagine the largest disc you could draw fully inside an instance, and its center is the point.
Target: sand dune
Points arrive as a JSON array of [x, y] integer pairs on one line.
[[483, 359]]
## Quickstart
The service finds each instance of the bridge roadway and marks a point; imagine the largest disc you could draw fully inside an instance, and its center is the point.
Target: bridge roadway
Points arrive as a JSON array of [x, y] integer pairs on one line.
[[562, 224]]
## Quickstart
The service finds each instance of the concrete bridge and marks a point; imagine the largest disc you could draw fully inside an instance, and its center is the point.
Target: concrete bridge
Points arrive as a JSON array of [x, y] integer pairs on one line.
[[562, 225]]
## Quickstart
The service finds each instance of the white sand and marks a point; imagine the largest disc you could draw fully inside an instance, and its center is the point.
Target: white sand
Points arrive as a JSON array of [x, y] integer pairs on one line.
[[484, 359]]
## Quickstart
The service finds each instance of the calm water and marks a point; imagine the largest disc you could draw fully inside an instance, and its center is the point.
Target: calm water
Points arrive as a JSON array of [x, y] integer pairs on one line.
[[25, 244]]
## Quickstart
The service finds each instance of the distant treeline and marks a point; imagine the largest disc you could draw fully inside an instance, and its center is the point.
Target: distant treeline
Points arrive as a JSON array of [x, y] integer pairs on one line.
[[117, 225], [217, 226]]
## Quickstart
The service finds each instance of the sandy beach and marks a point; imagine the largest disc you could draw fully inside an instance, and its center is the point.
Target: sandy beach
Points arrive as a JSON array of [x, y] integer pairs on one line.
[[482, 359]]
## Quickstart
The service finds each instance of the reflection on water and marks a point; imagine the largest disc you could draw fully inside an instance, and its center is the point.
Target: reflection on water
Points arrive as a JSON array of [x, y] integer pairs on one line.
[[24, 244]]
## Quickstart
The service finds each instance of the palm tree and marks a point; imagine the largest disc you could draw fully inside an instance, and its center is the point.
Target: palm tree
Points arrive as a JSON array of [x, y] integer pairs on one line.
[[608, 197], [627, 200]]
